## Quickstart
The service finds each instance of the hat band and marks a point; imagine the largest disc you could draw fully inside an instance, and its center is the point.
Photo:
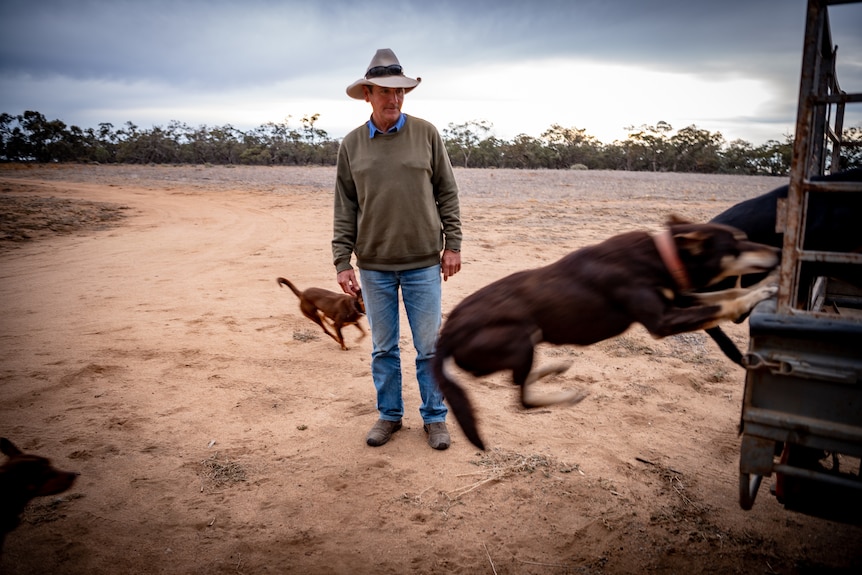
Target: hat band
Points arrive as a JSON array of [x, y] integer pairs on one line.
[[378, 71]]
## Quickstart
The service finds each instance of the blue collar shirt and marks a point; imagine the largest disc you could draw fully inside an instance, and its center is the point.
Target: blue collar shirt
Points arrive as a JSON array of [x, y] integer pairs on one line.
[[374, 130]]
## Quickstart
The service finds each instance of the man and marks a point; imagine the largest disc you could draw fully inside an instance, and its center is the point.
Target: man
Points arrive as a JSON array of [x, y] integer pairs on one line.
[[396, 209]]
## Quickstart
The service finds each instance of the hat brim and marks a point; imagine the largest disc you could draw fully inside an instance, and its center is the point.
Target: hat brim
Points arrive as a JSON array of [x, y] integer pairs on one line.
[[355, 89]]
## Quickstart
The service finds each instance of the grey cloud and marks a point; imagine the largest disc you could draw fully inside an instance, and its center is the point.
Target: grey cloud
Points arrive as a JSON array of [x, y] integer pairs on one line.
[[215, 42], [317, 48]]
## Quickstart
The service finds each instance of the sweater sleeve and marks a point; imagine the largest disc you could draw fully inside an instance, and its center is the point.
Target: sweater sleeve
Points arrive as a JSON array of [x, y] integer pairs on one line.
[[446, 192], [345, 212]]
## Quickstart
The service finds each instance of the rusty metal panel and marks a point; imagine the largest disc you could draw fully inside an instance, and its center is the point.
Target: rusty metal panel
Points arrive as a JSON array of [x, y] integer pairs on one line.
[[756, 455], [803, 387]]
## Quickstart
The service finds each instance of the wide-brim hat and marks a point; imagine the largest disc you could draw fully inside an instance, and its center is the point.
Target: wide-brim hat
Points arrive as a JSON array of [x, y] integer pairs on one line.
[[384, 70]]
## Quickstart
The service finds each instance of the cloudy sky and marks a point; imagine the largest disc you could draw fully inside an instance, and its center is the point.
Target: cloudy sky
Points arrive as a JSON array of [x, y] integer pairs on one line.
[[600, 65]]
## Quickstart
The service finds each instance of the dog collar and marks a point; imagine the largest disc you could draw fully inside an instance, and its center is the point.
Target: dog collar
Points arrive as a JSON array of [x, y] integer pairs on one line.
[[669, 255]]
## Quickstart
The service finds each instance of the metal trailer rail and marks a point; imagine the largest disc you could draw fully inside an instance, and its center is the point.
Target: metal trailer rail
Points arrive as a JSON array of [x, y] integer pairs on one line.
[[802, 408]]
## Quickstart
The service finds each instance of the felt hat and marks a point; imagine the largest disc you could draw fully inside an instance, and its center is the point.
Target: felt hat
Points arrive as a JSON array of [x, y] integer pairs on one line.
[[384, 70]]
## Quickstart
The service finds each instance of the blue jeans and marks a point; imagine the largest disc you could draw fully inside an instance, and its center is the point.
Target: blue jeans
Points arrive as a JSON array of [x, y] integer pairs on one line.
[[421, 291]]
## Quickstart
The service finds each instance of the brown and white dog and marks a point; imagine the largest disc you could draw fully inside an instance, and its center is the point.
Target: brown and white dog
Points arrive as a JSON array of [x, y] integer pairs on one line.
[[593, 294], [341, 309], [24, 476]]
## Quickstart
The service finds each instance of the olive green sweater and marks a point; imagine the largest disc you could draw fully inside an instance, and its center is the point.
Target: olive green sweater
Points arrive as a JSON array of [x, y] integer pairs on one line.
[[396, 200]]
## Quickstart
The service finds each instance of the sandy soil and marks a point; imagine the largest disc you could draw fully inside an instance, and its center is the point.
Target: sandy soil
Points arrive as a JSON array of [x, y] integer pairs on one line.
[[146, 345]]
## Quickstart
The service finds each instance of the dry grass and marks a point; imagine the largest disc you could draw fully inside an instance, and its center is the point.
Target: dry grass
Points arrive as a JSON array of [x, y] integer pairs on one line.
[[499, 464], [48, 509], [305, 336], [221, 472]]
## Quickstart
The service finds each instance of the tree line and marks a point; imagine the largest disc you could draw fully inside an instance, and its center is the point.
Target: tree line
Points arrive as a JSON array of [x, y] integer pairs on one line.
[[31, 137]]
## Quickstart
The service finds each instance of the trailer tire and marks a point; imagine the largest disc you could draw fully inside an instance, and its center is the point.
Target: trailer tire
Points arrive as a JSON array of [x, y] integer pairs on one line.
[[748, 486]]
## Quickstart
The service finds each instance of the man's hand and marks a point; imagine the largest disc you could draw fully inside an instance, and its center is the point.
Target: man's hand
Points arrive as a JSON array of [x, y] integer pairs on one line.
[[348, 283], [451, 263]]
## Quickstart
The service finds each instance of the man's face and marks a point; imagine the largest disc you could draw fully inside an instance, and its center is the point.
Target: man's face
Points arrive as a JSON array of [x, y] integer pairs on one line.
[[385, 105]]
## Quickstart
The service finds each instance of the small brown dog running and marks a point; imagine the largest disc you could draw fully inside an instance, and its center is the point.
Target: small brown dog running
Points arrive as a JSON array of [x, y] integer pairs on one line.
[[22, 477], [341, 309], [593, 294]]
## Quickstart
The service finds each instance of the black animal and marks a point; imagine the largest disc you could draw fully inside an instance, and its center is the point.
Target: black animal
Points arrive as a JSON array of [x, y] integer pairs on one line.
[[24, 476], [593, 294], [833, 224]]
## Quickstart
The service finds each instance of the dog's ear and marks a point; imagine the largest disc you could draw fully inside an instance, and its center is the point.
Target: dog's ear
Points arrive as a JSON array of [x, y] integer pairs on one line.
[[692, 242], [358, 302], [675, 220], [8, 448]]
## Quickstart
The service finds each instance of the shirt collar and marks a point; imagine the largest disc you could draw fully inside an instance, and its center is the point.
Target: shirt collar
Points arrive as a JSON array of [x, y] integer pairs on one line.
[[374, 130]]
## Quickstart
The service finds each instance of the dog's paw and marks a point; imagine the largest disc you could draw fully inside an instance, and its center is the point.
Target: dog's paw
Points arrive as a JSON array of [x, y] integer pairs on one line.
[[754, 297], [577, 396], [736, 310], [766, 292], [532, 398], [557, 368]]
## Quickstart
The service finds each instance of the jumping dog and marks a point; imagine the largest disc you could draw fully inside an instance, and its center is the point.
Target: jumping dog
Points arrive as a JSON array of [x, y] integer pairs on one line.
[[593, 294]]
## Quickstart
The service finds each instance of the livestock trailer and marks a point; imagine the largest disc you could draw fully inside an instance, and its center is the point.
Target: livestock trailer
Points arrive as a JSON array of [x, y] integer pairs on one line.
[[801, 417]]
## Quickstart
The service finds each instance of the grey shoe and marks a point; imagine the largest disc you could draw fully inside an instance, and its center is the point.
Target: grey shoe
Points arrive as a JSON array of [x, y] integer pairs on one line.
[[381, 432], [438, 435]]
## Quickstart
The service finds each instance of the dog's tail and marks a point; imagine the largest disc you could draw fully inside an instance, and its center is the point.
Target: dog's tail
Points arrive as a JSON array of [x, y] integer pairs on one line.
[[456, 397], [286, 282], [726, 345]]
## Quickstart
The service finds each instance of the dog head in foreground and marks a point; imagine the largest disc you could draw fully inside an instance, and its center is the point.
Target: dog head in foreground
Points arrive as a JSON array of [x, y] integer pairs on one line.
[[24, 476], [593, 294]]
